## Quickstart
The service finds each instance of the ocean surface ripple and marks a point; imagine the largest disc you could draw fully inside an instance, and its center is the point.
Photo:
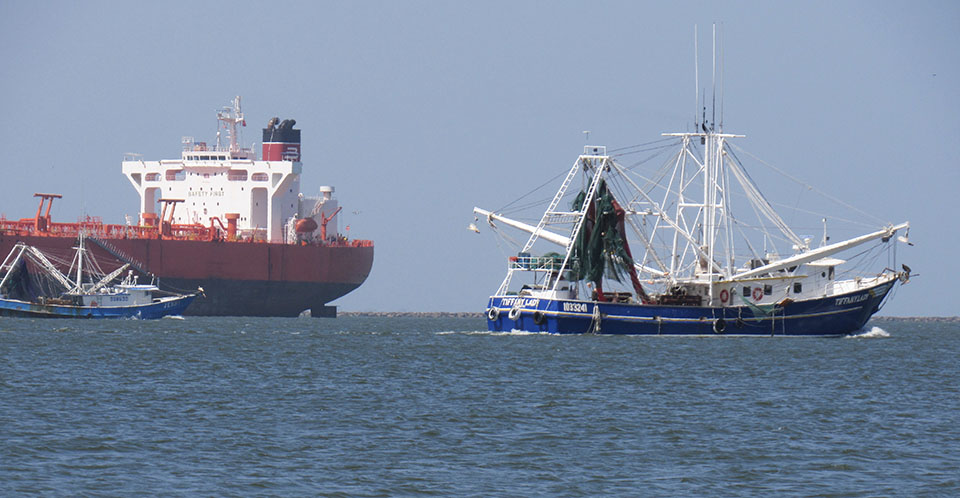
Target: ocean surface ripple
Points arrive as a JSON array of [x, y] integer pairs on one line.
[[374, 406]]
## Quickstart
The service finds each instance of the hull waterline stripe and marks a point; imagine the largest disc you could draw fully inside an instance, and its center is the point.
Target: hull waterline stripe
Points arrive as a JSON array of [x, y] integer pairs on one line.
[[679, 320]]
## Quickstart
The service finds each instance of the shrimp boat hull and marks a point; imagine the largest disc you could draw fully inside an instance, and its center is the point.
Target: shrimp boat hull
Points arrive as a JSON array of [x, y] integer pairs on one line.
[[836, 315], [164, 307]]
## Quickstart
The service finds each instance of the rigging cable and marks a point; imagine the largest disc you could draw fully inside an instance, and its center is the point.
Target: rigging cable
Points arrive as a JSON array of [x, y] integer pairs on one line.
[[811, 187]]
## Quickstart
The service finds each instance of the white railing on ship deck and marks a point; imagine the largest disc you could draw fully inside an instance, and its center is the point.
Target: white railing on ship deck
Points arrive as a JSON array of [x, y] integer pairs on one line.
[[541, 263]]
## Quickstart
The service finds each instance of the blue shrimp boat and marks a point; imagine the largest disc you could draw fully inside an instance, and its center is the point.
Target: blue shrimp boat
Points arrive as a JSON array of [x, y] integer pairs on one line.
[[698, 269], [28, 275]]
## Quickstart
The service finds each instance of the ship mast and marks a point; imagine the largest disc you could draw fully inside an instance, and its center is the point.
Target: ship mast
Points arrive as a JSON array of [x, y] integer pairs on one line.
[[231, 116], [80, 265], [711, 210]]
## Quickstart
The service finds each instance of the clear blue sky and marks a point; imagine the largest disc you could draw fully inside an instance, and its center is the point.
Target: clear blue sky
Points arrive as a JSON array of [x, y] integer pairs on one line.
[[417, 111]]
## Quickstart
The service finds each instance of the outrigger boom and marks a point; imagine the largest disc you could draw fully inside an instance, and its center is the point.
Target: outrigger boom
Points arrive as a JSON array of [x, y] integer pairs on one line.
[[556, 238], [806, 257]]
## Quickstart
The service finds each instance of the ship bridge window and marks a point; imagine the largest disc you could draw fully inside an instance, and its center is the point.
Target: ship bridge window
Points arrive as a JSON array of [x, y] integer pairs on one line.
[[259, 177], [152, 177], [175, 175]]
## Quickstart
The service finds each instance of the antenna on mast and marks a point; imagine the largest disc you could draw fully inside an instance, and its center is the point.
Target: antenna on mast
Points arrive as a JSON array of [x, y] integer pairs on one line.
[[721, 77], [696, 79], [713, 119], [703, 123]]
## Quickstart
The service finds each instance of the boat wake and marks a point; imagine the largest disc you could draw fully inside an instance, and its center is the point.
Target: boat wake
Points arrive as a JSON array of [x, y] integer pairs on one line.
[[874, 332], [173, 317]]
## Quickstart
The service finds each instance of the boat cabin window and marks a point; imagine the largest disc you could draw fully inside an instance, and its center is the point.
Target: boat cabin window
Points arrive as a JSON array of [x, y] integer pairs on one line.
[[797, 288], [746, 291], [767, 289], [830, 273]]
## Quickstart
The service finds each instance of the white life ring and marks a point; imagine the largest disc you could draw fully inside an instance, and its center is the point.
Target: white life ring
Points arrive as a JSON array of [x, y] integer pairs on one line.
[[514, 314], [757, 293]]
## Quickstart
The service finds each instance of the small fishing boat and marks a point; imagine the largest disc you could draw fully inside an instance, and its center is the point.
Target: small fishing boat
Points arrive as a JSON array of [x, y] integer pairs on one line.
[[32, 286], [646, 249]]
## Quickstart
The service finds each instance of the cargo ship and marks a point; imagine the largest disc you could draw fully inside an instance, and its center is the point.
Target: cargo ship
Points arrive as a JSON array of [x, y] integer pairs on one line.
[[219, 218]]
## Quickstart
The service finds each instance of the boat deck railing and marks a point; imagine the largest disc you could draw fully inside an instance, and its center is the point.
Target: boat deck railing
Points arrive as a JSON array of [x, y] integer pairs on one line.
[[540, 263], [92, 226]]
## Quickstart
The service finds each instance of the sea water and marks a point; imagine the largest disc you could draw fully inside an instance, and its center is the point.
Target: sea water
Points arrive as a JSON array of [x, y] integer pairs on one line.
[[363, 406]]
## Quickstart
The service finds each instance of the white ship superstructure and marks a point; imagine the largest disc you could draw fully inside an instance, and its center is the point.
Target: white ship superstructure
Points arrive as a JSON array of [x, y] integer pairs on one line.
[[225, 184]]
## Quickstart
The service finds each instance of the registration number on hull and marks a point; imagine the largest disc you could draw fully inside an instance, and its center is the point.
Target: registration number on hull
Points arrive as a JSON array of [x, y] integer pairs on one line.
[[575, 307]]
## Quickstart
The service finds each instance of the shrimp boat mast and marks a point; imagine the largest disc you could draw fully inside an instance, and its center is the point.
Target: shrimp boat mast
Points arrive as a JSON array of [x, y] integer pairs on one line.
[[688, 277]]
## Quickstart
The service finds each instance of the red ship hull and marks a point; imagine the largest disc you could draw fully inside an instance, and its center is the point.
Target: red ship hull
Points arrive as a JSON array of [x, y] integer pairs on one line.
[[239, 278]]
